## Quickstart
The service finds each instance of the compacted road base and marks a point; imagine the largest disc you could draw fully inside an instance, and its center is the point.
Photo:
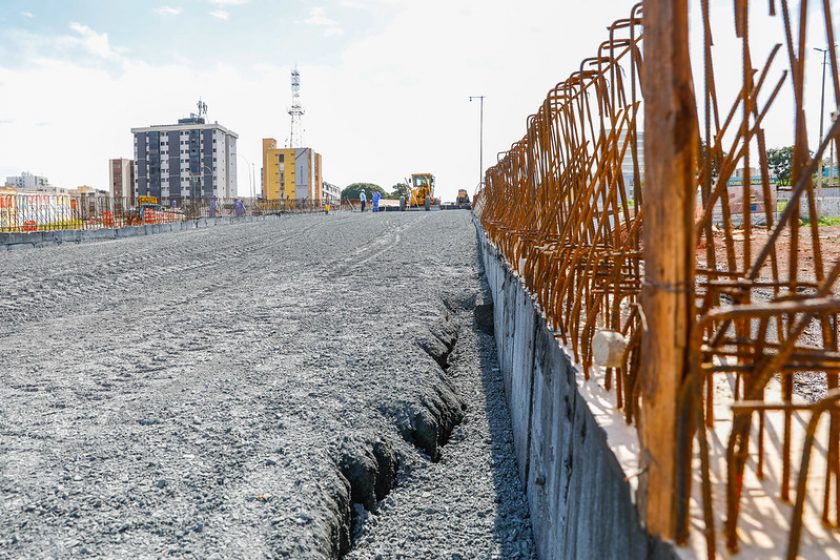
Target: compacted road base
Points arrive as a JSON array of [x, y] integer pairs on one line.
[[310, 387]]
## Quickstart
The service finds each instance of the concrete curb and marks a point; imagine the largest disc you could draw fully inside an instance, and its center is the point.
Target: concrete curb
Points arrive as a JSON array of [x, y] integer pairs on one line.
[[16, 241], [581, 503]]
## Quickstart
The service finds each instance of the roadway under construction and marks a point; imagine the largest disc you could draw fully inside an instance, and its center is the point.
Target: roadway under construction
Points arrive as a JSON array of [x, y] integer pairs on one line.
[[306, 387], [629, 381]]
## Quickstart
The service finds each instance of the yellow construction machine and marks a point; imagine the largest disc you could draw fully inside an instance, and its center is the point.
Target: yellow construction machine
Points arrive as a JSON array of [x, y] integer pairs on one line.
[[422, 191]]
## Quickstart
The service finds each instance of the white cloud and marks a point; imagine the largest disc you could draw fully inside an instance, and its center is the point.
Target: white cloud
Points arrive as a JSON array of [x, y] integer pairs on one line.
[[27, 15], [221, 13], [94, 43], [168, 11], [355, 4], [318, 17]]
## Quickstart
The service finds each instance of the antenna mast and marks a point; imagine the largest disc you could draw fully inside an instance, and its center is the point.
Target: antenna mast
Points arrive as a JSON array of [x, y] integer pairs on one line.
[[296, 112], [202, 109]]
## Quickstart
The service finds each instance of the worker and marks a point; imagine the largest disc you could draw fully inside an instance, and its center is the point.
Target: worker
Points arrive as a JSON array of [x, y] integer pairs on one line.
[[363, 199], [327, 208], [376, 196]]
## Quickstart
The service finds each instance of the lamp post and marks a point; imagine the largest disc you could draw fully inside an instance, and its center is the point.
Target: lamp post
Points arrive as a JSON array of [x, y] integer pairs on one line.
[[831, 158], [195, 195], [250, 175], [822, 123], [480, 140]]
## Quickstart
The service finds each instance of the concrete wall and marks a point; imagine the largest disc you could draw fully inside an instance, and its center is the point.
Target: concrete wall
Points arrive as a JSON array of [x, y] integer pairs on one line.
[[14, 241], [830, 202], [581, 503]]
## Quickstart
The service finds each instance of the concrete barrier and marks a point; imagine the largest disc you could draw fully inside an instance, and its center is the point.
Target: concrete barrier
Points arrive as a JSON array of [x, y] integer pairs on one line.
[[582, 505], [16, 240], [67, 236]]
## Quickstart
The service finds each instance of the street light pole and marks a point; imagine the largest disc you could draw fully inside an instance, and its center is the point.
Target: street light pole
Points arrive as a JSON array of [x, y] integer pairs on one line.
[[250, 174], [822, 124], [480, 140]]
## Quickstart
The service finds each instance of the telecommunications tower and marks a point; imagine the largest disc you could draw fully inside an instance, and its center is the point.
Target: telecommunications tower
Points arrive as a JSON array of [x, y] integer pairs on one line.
[[296, 112]]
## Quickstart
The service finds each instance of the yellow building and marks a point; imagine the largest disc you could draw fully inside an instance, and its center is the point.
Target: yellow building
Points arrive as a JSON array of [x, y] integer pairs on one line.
[[291, 174]]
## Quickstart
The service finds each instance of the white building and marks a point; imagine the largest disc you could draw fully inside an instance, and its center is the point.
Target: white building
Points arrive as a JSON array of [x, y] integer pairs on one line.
[[627, 162], [331, 193], [27, 180], [189, 160]]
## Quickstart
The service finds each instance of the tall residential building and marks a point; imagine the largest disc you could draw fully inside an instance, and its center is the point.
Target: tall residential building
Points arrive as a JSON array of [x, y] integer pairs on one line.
[[291, 173], [27, 180], [121, 180], [189, 160]]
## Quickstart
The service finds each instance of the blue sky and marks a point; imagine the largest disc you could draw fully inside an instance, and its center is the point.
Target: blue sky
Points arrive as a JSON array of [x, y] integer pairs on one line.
[[200, 31], [385, 82]]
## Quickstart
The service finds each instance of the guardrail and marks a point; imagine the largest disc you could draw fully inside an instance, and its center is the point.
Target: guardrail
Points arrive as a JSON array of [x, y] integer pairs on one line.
[[24, 211], [582, 213]]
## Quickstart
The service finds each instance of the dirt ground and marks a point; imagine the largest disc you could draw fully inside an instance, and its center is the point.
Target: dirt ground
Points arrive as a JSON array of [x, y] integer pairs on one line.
[[829, 240], [808, 384]]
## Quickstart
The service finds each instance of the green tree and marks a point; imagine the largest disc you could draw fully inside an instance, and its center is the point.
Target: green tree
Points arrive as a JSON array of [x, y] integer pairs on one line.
[[779, 161], [706, 152], [400, 189], [351, 192]]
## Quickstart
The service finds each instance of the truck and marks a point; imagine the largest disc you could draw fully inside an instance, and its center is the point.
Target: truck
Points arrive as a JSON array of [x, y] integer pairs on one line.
[[463, 198]]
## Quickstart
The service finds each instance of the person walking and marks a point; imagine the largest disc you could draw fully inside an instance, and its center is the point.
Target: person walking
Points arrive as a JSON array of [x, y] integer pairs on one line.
[[363, 199]]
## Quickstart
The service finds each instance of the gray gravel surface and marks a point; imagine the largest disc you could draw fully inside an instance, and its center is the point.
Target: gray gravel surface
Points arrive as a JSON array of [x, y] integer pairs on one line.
[[253, 391]]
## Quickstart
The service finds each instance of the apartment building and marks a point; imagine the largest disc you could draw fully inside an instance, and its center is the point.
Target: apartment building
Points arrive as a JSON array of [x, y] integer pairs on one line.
[[291, 173], [121, 180], [190, 160]]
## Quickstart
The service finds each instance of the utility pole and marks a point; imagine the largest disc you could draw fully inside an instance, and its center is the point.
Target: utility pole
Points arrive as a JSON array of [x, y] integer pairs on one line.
[[251, 177], [480, 140], [830, 160], [822, 123]]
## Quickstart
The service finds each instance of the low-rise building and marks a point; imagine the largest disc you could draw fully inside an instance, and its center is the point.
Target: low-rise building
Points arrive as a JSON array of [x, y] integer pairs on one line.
[[291, 174], [332, 193], [27, 180]]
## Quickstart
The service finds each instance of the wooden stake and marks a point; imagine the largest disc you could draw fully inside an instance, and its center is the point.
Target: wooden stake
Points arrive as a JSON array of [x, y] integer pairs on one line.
[[667, 296]]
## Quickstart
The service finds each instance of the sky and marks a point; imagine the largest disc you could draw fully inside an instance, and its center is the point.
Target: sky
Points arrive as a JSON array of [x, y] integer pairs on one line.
[[385, 83]]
